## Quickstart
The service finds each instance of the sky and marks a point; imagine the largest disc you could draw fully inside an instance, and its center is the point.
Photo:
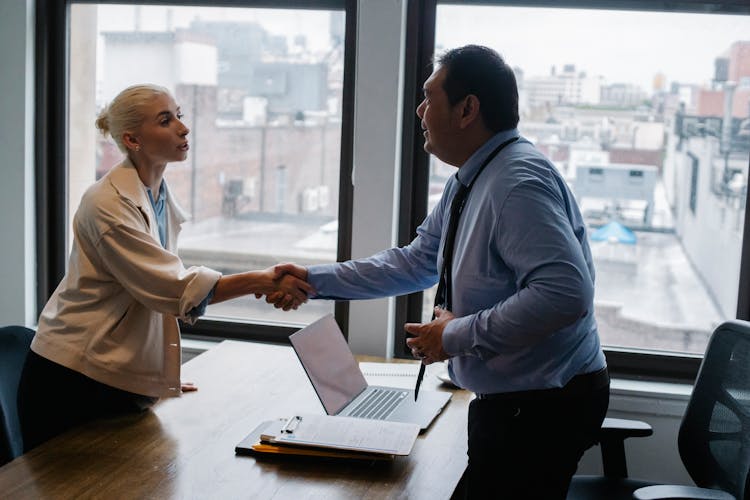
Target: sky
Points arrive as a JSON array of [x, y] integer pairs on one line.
[[622, 46], [313, 24]]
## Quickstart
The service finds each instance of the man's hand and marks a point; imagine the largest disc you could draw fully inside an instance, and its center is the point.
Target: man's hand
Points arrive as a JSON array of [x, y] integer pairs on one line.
[[427, 343], [290, 268], [289, 277]]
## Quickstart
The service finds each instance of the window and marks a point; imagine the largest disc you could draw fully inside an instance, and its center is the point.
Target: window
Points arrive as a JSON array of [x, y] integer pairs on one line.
[[636, 111], [265, 93]]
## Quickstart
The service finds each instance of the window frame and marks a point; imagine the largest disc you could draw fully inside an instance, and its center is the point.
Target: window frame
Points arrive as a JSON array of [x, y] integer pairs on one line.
[[52, 63], [420, 48]]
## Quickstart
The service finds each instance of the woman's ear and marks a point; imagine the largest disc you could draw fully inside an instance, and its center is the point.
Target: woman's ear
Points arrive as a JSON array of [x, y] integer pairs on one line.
[[130, 141]]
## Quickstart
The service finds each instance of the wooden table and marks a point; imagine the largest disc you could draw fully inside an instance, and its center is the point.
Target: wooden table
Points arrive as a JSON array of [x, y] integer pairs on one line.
[[184, 448]]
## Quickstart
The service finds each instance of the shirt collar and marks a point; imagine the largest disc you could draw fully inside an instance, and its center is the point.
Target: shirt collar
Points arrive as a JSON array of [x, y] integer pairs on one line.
[[126, 182], [469, 169], [160, 197]]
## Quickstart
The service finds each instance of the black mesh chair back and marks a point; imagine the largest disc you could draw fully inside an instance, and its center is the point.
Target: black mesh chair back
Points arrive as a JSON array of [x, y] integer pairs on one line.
[[714, 437], [14, 345]]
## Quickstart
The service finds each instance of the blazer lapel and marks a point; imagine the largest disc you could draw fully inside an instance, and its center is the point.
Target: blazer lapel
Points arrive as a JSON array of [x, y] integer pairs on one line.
[[124, 178]]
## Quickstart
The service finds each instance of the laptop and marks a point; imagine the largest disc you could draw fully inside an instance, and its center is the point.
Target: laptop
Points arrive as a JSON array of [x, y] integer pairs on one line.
[[342, 388]]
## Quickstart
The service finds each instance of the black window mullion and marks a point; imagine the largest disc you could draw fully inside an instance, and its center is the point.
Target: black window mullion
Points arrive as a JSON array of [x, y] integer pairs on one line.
[[420, 45], [50, 143], [743, 294], [346, 188]]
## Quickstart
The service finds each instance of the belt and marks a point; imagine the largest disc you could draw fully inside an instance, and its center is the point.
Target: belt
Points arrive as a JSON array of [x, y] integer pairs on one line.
[[579, 385]]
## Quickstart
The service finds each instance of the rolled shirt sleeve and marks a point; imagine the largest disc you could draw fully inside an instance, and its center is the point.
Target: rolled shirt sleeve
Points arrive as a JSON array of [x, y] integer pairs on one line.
[[396, 271]]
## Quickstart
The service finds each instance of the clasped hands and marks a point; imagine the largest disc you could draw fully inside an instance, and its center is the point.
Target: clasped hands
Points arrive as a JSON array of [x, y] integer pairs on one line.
[[289, 286]]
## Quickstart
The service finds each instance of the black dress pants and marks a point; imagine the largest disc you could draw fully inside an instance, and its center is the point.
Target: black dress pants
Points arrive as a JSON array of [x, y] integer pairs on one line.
[[53, 399], [527, 445]]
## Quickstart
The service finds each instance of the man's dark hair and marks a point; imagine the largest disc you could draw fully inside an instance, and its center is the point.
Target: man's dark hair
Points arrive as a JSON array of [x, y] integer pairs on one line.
[[478, 70]]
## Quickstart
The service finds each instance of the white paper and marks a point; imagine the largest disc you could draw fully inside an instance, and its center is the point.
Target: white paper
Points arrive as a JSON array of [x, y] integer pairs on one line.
[[347, 433]]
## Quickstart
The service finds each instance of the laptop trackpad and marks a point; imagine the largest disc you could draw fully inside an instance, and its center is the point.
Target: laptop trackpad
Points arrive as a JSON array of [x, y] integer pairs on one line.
[[423, 411]]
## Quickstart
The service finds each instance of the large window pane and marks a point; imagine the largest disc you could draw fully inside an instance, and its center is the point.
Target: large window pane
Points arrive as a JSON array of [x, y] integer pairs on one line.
[[261, 90], [647, 116]]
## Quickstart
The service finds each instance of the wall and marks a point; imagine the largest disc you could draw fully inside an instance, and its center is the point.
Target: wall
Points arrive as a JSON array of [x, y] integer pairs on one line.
[[377, 132], [714, 229], [17, 265]]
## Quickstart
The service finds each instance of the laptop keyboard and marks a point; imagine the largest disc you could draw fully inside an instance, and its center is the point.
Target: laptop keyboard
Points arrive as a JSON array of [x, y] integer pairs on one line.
[[379, 404]]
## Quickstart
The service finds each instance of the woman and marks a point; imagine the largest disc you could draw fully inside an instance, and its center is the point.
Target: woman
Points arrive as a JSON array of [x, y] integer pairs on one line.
[[108, 340]]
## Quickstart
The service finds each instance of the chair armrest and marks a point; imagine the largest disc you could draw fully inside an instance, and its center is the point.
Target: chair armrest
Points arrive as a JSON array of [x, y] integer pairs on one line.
[[672, 492], [614, 432], [618, 428]]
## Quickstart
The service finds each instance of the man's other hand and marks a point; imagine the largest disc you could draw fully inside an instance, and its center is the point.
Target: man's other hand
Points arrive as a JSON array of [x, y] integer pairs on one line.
[[427, 343]]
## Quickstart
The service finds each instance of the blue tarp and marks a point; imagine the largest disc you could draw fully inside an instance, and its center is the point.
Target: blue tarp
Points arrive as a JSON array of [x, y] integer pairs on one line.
[[615, 232]]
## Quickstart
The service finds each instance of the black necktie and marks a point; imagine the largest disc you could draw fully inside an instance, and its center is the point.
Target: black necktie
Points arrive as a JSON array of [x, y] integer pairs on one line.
[[443, 294]]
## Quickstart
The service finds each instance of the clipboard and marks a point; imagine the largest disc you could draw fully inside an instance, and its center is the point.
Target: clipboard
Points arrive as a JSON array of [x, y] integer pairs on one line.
[[331, 436]]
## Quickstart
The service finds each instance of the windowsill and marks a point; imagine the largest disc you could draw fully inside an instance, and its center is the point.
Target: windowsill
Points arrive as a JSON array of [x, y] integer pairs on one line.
[[643, 397], [650, 388]]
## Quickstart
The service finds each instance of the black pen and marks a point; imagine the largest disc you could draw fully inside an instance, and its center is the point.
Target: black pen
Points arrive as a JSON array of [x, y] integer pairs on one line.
[[420, 376]]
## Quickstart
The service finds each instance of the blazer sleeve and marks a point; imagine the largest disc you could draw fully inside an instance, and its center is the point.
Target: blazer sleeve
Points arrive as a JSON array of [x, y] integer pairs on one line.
[[152, 275]]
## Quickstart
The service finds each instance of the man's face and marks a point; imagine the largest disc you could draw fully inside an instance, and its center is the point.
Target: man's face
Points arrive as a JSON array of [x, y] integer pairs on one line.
[[437, 118]]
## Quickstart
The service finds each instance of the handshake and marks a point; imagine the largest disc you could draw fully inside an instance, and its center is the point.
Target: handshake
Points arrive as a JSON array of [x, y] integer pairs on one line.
[[287, 287]]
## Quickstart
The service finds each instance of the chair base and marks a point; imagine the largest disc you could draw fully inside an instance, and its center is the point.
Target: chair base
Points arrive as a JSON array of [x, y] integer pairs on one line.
[[604, 488], [667, 492]]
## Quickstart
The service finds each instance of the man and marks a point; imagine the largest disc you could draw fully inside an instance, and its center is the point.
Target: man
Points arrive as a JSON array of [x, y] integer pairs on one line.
[[520, 330]]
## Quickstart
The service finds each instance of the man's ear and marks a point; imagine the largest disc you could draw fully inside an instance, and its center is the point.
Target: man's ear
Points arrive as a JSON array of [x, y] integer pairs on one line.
[[469, 110]]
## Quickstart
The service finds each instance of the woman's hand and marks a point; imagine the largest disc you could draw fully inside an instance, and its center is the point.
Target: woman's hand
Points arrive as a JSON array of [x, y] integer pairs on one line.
[[291, 290], [188, 387]]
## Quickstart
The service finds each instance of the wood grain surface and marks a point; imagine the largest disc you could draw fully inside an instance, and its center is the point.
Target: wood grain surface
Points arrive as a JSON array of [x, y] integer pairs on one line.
[[184, 447]]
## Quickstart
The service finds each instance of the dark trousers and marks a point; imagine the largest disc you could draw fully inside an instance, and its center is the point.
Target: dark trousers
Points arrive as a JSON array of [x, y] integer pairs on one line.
[[53, 399], [527, 445]]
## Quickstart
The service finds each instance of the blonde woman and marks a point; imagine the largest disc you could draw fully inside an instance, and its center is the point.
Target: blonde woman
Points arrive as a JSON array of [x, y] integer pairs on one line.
[[108, 341]]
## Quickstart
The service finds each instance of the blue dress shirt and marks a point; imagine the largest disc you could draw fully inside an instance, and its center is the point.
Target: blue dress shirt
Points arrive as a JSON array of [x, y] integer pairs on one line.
[[523, 276]]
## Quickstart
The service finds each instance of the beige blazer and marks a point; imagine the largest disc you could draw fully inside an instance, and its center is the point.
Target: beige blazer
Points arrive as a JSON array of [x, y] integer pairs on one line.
[[113, 317]]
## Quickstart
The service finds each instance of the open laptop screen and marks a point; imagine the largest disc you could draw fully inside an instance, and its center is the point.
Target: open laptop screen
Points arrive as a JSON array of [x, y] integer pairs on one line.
[[329, 363]]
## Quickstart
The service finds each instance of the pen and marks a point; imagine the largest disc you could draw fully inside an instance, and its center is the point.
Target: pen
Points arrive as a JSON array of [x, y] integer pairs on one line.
[[420, 376]]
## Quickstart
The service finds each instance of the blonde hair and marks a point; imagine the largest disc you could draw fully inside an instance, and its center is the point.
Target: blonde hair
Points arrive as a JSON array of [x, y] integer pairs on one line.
[[125, 112]]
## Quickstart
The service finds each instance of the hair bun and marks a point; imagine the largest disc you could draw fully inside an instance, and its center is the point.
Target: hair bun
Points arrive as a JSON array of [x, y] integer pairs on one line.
[[102, 121]]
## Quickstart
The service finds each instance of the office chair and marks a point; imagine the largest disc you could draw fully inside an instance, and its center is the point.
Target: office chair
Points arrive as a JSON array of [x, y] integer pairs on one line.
[[714, 436], [14, 345]]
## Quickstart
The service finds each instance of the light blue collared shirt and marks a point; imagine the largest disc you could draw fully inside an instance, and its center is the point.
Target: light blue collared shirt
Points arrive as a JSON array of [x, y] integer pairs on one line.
[[523, 276], [160, 212]]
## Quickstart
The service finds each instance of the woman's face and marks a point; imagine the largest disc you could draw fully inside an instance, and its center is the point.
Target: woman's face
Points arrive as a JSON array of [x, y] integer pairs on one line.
[[163, 137]]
